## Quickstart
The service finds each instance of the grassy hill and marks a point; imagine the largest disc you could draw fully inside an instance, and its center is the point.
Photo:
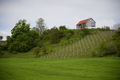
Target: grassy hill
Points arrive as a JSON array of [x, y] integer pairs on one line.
[[75, 46], [83, 47]]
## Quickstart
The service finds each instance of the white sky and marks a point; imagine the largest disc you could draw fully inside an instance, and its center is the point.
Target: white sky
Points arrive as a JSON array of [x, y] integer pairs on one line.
[[58, 12]]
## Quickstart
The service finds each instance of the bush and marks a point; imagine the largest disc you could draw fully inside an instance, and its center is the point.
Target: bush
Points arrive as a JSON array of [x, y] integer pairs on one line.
[[108, 48], [105, 49], [14, 52], [107, 28], [68, 34], [40, 44], [36, 51], [116, 39], [22, 39], [85, 31], [62, 28], [55, 35], [1, 53], [43, 51], [111, 47], [24, 42], [1, 50]]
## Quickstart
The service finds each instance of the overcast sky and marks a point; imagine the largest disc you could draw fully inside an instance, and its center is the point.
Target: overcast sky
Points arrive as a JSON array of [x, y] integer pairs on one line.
[[58, 12]]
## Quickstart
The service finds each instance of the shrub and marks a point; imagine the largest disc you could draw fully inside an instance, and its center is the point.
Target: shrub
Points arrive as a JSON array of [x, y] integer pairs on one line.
[[24, 42], [108, 48], [40, 44], [62, 28], [36, 51], [1, 37], [107, 28], [22, 39], [116, 39], [14, 52], [55, 35], [85, 31], [1, 52], [68, 34], [111, 47], [43, 51]]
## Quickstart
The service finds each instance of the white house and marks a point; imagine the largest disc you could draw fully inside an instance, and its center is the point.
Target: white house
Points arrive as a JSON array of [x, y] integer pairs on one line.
[[87, 23]]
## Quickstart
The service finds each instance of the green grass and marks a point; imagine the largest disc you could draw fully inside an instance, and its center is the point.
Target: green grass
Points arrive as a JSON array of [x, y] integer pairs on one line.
[[60, 69]]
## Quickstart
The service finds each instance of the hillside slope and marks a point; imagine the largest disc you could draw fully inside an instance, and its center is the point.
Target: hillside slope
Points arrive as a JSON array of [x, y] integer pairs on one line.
[[83, 47]]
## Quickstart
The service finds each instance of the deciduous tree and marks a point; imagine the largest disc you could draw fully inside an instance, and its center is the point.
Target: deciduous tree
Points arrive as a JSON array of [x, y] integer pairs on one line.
[[41, 26]]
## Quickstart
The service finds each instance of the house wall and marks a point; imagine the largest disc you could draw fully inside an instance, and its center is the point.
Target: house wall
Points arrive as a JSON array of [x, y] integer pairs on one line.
[[81, 26], [91, 23], [78, 27]]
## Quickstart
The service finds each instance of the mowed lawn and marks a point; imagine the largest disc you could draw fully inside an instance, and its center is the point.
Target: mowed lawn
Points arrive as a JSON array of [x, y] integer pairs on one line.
[[60, 69]]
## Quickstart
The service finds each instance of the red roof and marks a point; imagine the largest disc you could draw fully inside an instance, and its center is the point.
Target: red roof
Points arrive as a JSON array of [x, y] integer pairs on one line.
[[83, 21]]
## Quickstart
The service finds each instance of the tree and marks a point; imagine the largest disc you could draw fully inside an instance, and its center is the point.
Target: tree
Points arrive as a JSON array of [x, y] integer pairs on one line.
[[62, 28], [116, 38], [106, 27], [1, 37], [41, 26], [55, 35], [1, 53], [22, 39], [20, 28], [36, 51], [35, 29]]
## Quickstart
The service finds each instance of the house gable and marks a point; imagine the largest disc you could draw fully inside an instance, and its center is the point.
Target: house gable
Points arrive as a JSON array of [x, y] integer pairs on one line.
[[90, 23]]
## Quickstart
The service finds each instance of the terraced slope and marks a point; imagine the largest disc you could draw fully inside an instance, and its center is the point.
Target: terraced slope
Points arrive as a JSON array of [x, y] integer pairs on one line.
[[83, 47]]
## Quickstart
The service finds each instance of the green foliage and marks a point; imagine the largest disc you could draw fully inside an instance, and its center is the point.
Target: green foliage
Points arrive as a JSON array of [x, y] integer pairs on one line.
[[22, 39], [24, 42], [116, 39], [36, 51], [20, 28], [1, 51], [40, 44], [107, 28], [106, 48], [1, 37], [69, 34], [78, 46], [55, 35], [111, 47], [35, 29], [43, 51], [62, 28], [85, 31], [40, 26], [46, 35]]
